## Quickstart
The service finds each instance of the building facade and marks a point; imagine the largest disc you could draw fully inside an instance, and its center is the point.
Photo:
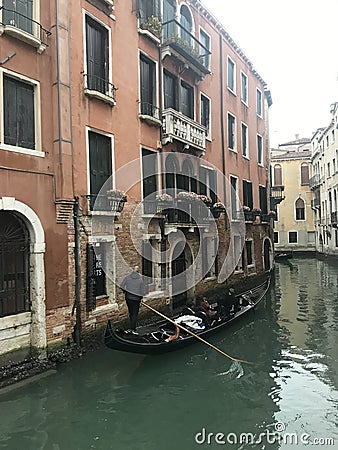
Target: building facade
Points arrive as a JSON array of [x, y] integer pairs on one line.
[[294, 222], [105, 106], [324, 185]]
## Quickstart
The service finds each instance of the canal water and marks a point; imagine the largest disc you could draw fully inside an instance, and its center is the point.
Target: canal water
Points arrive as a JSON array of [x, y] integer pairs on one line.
[[196, 398]]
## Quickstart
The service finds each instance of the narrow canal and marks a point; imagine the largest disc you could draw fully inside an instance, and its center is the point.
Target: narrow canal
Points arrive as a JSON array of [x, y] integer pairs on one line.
[[112, 400]]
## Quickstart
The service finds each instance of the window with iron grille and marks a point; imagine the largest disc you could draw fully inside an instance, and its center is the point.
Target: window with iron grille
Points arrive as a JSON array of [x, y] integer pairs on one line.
[[148, 87]]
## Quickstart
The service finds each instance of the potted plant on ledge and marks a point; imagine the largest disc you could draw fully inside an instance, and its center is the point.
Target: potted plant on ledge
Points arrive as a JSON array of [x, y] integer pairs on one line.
[[117, 199], [163, 202], [248, 214], [217, 209]]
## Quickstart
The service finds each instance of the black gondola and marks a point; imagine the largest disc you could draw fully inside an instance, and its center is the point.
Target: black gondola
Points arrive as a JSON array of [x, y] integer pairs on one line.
[[283, 255], [150, 339]]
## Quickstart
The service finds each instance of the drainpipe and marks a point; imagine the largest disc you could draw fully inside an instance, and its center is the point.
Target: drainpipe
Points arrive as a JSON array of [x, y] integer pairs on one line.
[[57, 24], [222, 119]]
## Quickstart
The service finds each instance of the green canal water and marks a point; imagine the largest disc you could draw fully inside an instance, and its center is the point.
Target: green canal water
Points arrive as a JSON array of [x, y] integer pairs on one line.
[[196, 398]]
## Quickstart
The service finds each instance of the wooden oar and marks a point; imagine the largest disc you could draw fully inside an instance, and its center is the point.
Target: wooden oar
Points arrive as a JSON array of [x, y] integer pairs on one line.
[[194, 335]]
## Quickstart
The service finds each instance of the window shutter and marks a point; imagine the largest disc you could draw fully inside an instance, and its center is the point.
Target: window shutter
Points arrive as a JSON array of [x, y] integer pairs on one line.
[[90, 285]]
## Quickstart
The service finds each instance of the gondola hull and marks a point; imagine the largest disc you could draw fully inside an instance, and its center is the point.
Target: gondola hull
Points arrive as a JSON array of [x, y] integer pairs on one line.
[[140, 343]]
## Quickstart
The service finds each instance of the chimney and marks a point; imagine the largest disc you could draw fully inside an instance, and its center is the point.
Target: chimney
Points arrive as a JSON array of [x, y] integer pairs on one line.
[[297, 137]]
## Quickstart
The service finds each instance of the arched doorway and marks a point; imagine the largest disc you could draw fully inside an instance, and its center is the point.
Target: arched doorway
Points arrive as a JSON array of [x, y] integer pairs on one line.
[[14, 265], [22, 278], [267, 254], [180, 262]]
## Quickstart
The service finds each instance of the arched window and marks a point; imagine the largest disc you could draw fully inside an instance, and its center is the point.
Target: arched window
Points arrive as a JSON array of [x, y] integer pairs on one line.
[[171, 171], [304, 174], [300, 209], [277, 175], [189, 182], [186, 22]]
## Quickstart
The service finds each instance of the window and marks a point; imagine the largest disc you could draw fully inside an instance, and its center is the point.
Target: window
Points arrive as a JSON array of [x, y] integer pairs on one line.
[[147, 262], [18, 13], [209, 250], [234, 197], [259, 150], [276, 237], [149, 180], [189, 179], [328, 170], [187, 100], [97, 58], [247, 194], [171, 174], [208, 183], [259, 107], [205, 48], [311, 237], [231, 132], [333, 166], [244, 88], [186, 22], [249, 252], [231, 75], [300, 209], [238, 255], [304, 174], [277, 175], [263, 202], [336, 238], [148, 87], [147, 9], [170, 90], [293, 237], [205, 114], [100, 168], [244, 140], [19, 121]]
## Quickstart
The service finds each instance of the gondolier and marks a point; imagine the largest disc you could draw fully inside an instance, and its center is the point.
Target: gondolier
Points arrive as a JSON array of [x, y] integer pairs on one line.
[[133, 288]]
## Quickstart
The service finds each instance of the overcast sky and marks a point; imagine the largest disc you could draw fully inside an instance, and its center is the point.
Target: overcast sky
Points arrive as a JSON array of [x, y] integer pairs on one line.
[[294, 47]]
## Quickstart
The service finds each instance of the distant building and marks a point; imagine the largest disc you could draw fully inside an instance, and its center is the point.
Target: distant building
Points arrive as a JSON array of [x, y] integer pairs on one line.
[[324, 185], [294, 223]]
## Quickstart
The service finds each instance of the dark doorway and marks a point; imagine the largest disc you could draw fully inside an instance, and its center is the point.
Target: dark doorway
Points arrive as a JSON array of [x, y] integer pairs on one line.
[[267, 252], [14, 265], [181, 260]]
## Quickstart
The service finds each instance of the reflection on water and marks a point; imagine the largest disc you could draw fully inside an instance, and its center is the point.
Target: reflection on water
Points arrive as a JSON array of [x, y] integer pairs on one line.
[[112, 400]]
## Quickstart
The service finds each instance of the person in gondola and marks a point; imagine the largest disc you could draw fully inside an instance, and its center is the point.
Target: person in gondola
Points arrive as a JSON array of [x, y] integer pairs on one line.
[[226, 303], [133, 288], [208, 314]]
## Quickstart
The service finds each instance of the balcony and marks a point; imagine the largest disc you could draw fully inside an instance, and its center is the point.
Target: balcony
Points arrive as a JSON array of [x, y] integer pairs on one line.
[[101, 204], [177, 127], [180, 213], [23, 28], [180, 44], [150, 114], [276, 195], [99, 88], [315, 203], [314, 181]]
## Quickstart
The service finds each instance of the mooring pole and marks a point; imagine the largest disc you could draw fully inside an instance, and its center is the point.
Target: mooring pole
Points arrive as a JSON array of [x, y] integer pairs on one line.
[[77, 260]]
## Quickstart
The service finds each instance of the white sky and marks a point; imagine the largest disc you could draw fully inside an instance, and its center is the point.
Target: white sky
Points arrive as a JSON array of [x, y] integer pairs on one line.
[[293, 45]]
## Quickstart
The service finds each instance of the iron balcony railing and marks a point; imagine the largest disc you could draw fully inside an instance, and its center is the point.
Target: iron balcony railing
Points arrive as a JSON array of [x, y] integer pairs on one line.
[[148, 109], [181, 40], [101, 85], [13, 18], [179, 211], [182, 128], [101, 203]]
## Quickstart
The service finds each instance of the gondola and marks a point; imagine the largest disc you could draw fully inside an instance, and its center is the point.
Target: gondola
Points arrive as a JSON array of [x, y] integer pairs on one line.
[[151, 339], [283, 255]]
